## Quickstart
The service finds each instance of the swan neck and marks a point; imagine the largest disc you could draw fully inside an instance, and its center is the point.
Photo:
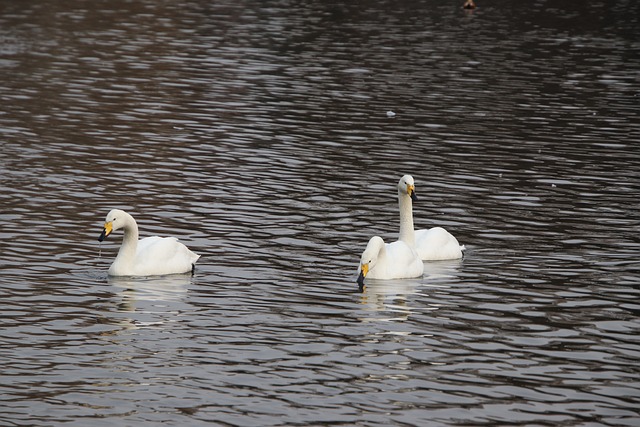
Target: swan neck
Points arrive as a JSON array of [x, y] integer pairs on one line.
[[130, 240], [382, 254], [407, 233]]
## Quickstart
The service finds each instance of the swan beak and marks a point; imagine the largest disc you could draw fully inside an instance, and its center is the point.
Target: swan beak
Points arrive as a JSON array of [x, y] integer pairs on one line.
[[108, 228], [411, 191], [363, 272]]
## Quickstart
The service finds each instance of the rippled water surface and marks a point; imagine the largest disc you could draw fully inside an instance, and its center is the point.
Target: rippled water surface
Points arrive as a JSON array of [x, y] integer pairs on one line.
[[257, 132]]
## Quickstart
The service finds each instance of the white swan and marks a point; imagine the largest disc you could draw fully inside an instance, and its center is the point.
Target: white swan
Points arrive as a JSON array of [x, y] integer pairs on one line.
[[150, 256], [431, 244], [387, 261], [397, 260]]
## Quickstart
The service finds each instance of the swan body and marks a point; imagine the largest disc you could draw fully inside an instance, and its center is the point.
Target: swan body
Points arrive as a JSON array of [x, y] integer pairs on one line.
[[397, 260], [150, 256], [436, 244], [387, 261], [431, 244]]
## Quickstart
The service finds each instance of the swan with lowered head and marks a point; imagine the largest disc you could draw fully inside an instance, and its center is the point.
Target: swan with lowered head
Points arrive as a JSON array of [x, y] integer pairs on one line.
[[432, 244], [397, 260], [151, 256]]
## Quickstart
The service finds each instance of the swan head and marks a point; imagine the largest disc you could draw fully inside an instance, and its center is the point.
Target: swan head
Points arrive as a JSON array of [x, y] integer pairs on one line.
[[406, 186], [115, 220], [369, 258]]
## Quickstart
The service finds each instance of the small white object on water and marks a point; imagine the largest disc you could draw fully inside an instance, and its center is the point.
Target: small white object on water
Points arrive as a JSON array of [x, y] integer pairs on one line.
[[391, 114]]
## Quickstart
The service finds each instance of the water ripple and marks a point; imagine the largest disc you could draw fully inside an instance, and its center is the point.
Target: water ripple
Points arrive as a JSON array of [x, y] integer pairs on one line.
[[258, 134]]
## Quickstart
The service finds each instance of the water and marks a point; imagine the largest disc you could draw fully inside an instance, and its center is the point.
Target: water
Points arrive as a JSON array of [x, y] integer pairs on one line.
[[257, 133]]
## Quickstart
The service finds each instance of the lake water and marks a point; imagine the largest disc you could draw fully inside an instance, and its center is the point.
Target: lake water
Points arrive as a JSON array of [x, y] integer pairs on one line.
[[257, 132]]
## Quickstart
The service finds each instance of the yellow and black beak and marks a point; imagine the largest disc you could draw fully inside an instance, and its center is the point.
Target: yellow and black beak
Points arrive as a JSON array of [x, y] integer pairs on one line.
[[108, 228], [411, 191], [364, 269]]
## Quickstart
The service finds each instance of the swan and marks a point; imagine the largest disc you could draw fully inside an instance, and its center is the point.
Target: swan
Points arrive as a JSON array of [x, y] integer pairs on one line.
[[399, 259], [150, 256], [387, 261], [432, 244]]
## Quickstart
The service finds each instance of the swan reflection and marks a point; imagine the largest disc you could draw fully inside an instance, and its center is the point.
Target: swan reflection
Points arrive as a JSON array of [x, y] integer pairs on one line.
[[389, 298], [144, 293], [442, 270], [392, 300]]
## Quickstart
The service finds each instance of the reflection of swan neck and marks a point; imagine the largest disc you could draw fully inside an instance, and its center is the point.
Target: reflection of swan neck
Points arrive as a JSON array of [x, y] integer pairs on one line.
[[407, 234]]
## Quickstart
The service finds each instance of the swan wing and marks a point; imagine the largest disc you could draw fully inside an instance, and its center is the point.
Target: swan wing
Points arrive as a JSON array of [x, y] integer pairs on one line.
[[437, 244], [163, 255], [399, 262], [404, 260]]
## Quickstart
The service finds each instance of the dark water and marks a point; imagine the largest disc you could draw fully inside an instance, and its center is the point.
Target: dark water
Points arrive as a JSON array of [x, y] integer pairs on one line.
[[257, 132]]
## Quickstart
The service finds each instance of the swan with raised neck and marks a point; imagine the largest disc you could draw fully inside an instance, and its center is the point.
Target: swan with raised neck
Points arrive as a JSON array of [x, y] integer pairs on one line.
[[431, 244], [149, 256], [399, 259]]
